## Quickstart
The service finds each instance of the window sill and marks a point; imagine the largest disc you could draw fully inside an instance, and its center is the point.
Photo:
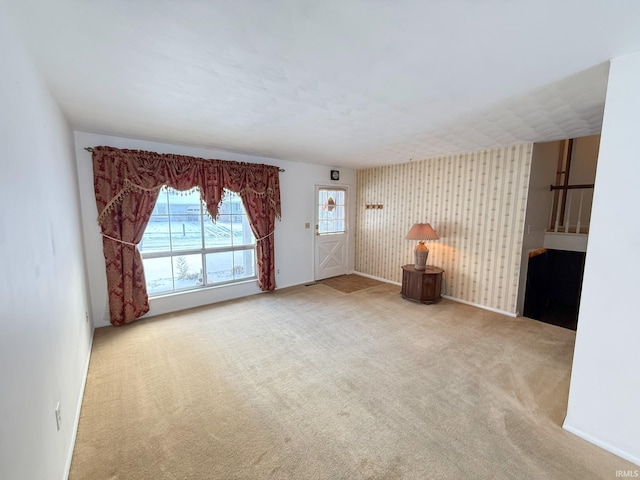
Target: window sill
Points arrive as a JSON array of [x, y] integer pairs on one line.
[[203, 288], [183, 300]]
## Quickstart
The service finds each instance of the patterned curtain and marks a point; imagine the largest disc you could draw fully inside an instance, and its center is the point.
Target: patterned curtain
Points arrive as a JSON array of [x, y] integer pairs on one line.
[[127, 183]]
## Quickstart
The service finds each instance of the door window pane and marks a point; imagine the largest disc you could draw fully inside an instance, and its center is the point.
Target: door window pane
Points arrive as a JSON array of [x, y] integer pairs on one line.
[[331, 211]]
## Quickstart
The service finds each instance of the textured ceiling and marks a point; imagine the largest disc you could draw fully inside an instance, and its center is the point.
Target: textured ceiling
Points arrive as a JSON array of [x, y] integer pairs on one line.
[[351, 83]]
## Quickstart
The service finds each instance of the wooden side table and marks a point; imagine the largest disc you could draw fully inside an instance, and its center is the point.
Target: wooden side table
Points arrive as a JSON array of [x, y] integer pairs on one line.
[[422, 286]]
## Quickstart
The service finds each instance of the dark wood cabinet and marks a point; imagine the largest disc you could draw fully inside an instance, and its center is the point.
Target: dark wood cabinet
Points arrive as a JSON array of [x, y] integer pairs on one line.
[[422, 286]]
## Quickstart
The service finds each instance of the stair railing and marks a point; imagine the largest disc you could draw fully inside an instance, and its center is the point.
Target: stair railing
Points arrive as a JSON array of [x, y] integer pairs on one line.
[[559, 216]]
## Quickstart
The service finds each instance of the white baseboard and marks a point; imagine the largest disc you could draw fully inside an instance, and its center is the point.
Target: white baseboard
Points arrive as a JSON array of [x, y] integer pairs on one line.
[[604, 445], [484, 307], [380, 279], [289, 285], [78, 409]]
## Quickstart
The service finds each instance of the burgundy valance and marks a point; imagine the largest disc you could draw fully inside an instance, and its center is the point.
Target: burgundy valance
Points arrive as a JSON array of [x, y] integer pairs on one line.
[[126, 185]]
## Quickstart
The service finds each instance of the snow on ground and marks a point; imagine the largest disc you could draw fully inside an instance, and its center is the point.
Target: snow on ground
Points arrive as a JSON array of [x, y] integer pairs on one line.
[[186, 271]]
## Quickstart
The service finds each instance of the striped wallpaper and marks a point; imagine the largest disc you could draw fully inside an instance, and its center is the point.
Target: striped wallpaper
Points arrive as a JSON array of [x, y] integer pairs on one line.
[[475, 201]]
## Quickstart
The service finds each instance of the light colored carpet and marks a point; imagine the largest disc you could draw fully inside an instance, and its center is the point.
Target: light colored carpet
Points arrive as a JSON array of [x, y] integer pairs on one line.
[[310, 383], [350, 283]]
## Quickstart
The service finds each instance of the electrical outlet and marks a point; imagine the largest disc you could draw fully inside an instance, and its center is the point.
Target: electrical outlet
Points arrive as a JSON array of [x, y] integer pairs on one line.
[[86, 316], [58, 417]]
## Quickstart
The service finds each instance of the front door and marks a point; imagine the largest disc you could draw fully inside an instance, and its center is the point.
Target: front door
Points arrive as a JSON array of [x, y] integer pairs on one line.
[[331, 257]]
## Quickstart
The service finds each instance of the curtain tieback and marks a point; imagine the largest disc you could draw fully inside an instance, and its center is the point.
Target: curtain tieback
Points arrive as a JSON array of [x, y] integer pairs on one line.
[[119, 241], [266, 236]]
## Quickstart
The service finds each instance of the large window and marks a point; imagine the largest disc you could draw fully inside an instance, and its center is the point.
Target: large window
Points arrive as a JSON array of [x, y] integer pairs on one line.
[[182, 248]]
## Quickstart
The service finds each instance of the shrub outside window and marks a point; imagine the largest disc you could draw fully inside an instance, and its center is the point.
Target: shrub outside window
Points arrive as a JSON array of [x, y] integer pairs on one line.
[[183, 248]]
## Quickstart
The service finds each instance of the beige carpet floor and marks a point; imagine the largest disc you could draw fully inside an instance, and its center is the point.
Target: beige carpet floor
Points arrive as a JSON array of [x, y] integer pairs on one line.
[[311, 383]]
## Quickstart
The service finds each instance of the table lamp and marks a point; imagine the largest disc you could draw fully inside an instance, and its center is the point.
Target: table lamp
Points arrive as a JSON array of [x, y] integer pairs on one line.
[[422, 232]]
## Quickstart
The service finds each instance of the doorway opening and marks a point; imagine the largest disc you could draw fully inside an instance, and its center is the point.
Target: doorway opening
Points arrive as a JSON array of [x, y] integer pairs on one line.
[[554, 283], [561, 185]]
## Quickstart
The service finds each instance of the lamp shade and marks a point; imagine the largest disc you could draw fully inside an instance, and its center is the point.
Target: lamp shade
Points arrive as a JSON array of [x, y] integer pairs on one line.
[[422, 231]]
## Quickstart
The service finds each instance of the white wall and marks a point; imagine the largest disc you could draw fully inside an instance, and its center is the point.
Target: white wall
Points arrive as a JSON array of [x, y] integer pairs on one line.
[[604, 398], [544, 163], [293, 242], [583, 170], [45, 338], [585, 159]]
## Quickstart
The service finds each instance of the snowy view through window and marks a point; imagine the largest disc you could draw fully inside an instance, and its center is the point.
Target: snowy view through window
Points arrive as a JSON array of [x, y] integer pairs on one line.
[[182, 248]]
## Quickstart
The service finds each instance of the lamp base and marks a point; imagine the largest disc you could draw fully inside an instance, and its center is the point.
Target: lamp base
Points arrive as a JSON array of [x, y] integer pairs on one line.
[[421, 253]]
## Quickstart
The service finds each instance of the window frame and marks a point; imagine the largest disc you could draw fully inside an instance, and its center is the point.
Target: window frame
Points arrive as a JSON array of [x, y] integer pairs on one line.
[[171, 254]]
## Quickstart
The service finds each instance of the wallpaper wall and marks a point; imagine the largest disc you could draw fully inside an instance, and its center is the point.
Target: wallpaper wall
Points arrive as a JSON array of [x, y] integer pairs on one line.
[[475, 201]]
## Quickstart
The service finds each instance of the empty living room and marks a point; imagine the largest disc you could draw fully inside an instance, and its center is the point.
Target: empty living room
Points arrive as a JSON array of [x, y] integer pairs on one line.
[[319, 240]]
